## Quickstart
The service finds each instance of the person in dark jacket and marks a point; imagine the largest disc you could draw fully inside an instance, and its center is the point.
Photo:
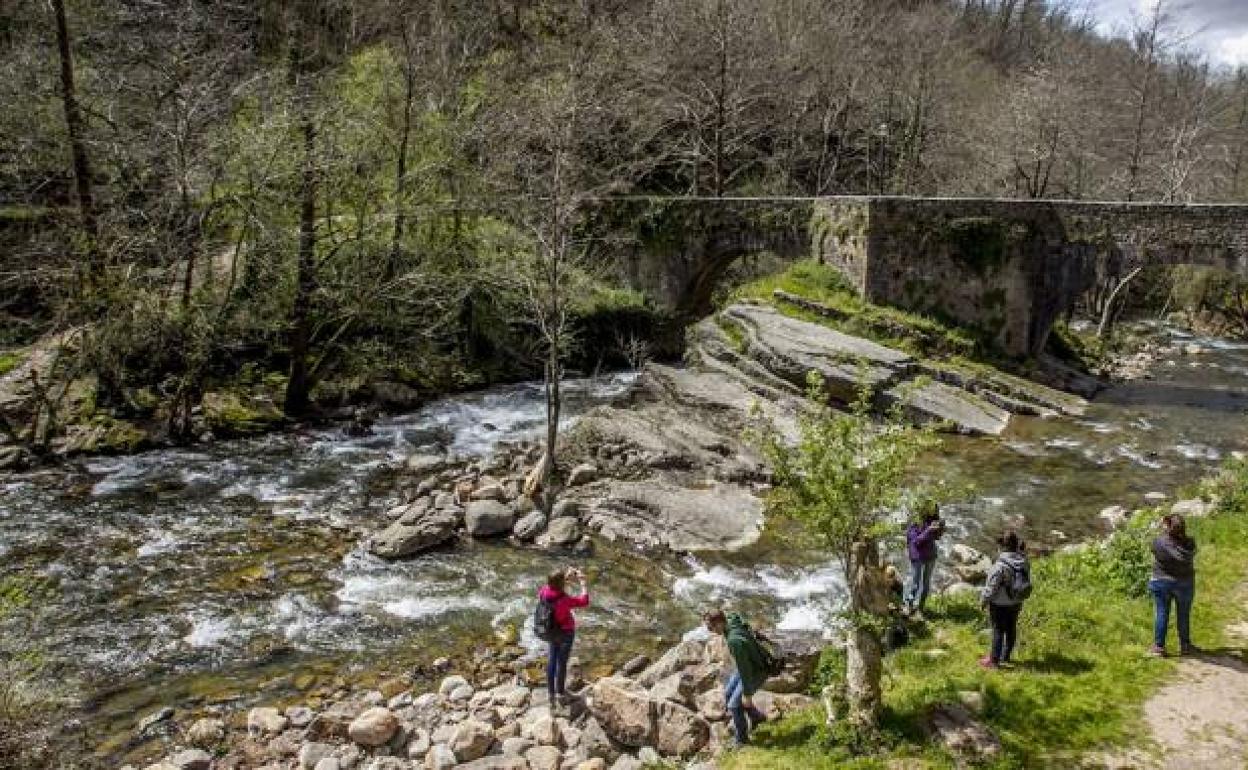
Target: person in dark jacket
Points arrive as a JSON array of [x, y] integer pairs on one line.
[[751, 671], [555, 592], [1174, 579], [921, 537], [1004, 599]]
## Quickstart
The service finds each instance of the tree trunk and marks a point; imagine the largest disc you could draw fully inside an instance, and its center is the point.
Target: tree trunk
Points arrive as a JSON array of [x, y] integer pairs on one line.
[[298, 385], [1107, 312], [865, 651], [554, 405], [78, 149], [400, 171]]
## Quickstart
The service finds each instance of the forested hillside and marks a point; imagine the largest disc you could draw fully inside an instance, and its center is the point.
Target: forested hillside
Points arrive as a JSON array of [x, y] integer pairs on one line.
[[315, 196]]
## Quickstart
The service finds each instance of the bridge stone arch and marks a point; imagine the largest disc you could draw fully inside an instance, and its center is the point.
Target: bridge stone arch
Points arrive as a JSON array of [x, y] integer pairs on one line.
[[1006, 268]]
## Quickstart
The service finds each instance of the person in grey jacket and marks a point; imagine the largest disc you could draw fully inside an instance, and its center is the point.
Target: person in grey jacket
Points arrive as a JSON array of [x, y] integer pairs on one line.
[[1007, 587], [1174, 579]]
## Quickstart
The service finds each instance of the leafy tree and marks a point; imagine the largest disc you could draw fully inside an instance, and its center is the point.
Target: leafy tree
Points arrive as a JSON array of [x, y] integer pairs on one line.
[[839, 481]]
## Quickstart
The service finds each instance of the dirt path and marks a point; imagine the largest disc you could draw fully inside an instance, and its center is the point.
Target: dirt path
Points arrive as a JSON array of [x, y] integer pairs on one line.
[[1198, 720]]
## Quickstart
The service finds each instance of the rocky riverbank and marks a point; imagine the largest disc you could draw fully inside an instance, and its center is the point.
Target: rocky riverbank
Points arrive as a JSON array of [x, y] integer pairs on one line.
[[670, 465], [639, 715]]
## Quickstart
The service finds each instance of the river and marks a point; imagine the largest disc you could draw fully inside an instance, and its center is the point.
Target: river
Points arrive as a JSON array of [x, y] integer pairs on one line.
[[231, 574]]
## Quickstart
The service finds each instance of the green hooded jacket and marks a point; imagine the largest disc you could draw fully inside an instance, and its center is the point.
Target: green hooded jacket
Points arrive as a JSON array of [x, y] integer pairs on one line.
[[746, 654]]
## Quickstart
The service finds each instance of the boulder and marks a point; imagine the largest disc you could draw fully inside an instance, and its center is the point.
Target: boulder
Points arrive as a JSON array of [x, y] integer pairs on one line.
[[690, 652], [472, 740], [402, 538], [624, 710], [375, 727], [529, 526], [681, 732], [953, 727], [419, 743], [596, 743], [461, 695], [265, 721], [544, 758], [486, 518], [560, 532], [191, 759], [677, 688], [205, 733], [395, 395], [969, 564], [545, 732], [582, 474]]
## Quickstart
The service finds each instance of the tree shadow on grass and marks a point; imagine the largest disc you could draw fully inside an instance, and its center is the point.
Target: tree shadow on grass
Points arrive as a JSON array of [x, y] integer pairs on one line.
[[1055, 663]]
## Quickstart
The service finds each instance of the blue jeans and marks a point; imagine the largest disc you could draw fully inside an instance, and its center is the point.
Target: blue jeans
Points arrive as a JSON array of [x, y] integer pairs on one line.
[[557, 664], [734, 693], [1182, 592], [920, 583]]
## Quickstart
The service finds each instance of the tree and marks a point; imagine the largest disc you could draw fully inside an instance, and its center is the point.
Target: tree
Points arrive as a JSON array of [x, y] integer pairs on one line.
[[839, 482], [77, 144]]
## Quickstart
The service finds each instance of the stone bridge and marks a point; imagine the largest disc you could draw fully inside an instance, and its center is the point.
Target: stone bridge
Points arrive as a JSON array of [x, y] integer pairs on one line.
[[1007, 269]]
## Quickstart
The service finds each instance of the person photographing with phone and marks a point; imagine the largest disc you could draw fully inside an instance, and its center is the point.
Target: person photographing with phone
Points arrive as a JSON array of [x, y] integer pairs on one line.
[[921, 537], [554, 623]]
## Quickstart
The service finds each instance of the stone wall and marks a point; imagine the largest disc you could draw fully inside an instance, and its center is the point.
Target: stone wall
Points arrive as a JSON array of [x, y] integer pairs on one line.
[[1009, 268]]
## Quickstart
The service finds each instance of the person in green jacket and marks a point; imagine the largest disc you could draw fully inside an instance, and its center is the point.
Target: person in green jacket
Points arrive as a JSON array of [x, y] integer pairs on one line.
[[751, 671]]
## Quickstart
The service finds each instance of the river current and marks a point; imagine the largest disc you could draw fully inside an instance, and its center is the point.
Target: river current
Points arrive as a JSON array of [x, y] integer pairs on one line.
[[231, 574]]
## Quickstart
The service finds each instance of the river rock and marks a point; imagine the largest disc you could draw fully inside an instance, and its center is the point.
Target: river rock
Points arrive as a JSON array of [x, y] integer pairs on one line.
[[461, 695], [486, 518], [426, 464], [375, 727], [489, 490], [299, 716], [472, 740], [530, 525], [635, 665], [418, 745], [310, 754], [205, 733], [627, 762], [624, 710], [582, 474], [265, 721], [406, 539], [395, 395], [440, 757], [567, 508], [191, 759], [681, 732], [516, 746], [450, 683], [1114, 516], [329, 763], [593, 763], [544, 731], [1192, 508], [560, 532], [544, 758], [495, 763], [155, 718]]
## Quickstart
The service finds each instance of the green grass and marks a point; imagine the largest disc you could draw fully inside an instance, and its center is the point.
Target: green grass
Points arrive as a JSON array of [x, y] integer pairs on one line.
[[10, 361], [1081, 677], [913, 333]]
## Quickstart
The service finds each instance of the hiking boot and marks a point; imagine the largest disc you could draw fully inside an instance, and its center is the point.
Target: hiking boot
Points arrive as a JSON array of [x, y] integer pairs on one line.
[[988, 662], [1157, 652]]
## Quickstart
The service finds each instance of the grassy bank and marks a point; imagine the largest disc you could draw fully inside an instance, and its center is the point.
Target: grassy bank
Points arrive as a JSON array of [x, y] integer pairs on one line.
[[1081, 676]]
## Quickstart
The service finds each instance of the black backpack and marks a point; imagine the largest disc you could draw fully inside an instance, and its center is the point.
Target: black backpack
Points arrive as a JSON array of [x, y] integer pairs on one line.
[[544, 625], [773, 661]]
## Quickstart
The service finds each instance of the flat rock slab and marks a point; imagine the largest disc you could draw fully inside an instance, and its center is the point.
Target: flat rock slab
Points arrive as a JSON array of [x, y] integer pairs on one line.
[[710, 516], [934, 401]]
